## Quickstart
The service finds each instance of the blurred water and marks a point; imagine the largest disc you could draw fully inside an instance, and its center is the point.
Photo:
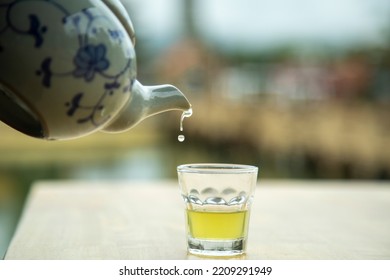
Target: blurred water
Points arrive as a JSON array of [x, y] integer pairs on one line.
[[141, 164]]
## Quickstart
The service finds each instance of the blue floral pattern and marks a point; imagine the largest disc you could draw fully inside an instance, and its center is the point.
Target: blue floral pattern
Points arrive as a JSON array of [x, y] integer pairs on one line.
[[89, 59]]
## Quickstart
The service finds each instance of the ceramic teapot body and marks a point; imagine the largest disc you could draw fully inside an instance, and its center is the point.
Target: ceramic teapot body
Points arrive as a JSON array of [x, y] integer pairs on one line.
[[68, 68]]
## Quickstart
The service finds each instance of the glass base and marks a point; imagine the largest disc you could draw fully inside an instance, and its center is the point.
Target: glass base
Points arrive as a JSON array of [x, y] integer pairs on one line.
[[207, 247]]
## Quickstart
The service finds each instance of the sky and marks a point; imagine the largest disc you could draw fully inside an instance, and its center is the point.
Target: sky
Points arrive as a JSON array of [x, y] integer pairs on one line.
[[254, 24]]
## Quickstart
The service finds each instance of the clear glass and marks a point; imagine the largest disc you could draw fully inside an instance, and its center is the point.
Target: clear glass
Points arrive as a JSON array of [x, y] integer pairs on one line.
[[217, 201]]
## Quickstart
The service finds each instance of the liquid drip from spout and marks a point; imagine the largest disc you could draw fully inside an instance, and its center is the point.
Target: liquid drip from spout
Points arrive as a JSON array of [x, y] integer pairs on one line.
[[181, 138], [185, 114]]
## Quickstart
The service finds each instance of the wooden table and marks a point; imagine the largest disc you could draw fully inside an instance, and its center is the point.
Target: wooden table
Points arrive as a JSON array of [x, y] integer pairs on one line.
[[145, 220]]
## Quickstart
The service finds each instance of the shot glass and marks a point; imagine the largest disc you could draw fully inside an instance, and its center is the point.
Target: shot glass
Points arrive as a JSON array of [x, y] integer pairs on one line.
[[217, 199]]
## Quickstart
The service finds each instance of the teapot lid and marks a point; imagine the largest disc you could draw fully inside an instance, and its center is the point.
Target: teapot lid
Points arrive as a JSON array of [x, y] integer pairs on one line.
[[123, 16]]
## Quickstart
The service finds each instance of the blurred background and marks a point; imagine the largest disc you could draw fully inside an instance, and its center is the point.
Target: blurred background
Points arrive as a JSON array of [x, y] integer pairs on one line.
[[300, 88]]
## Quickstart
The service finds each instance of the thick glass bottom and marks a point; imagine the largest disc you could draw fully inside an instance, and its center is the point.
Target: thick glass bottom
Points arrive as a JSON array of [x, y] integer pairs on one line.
[[207, 247]]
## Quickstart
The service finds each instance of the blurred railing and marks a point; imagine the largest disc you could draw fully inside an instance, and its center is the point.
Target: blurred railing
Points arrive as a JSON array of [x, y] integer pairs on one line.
[[336, 135]]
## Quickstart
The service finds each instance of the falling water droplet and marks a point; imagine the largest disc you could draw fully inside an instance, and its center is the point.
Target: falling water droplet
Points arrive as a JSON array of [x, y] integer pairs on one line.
[[186, 114]]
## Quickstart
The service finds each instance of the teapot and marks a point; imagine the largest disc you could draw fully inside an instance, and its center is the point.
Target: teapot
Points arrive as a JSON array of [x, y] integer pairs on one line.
[[68, 69]]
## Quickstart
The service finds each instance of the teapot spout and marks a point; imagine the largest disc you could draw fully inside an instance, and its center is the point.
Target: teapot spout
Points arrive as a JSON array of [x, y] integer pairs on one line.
[[147, 101]]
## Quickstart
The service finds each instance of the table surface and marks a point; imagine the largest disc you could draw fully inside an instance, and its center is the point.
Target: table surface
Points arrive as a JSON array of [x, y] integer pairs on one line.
[[145, 220]]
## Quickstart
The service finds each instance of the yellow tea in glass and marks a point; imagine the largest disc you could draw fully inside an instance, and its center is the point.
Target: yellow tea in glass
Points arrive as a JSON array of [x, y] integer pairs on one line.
[[217, 225]]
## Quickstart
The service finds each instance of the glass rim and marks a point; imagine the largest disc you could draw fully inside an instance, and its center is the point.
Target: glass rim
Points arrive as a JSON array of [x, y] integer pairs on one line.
[[216, 168]]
